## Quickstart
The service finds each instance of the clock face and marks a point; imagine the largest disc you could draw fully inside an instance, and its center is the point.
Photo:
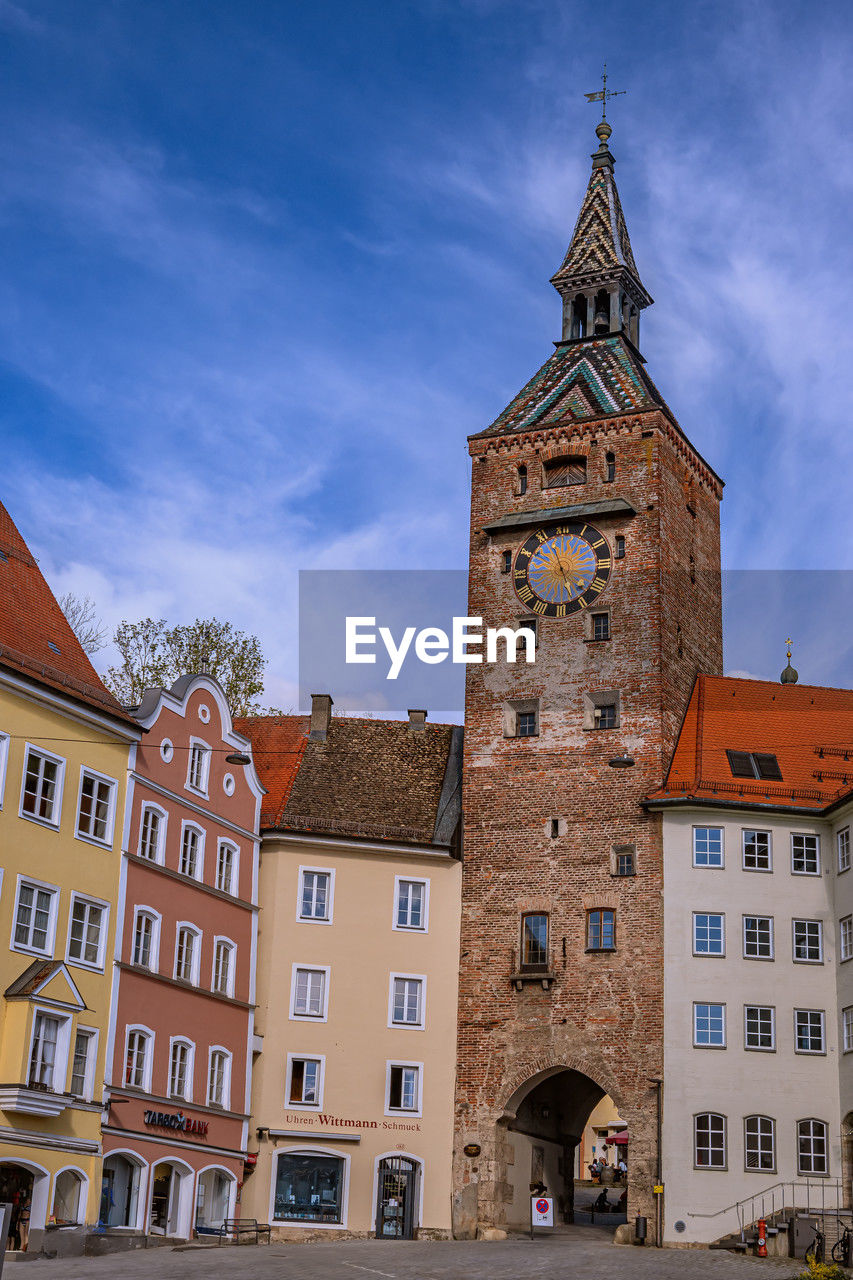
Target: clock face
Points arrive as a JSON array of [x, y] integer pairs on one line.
[[559, 571]]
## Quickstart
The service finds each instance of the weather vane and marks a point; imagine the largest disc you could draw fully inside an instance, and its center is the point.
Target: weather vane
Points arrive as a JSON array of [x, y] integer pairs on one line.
[[604, 94]]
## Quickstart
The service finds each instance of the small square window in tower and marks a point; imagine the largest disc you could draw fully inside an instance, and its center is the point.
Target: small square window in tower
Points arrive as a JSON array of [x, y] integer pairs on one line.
[[525, 724], [623, 861], [605, 716]]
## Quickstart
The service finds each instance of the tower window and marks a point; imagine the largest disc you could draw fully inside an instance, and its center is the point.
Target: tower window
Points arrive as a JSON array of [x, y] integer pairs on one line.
[[601, 321], [561, 472], [624, 861], [602, 709], [605, 716], [525, 724], [555, 828], [534, 941], [601, 626], [578, 329], [620, 547], [522, 480], [610, 460], [506, 561], [600, 930]]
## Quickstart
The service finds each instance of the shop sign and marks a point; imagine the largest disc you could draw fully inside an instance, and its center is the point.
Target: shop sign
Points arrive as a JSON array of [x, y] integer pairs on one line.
[[175, 1120]]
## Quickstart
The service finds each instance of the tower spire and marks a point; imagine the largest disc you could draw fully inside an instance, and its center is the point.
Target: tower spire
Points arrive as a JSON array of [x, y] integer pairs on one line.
[[598, 279]]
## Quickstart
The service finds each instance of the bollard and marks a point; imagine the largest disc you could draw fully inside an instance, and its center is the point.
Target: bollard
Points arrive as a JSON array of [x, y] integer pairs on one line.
[[641, 1227], [762, 1238]]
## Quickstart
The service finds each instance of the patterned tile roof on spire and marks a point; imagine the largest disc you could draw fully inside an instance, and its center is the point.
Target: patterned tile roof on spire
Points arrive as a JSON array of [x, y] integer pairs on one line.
[[36, 639], [600, 240], [582, 381]]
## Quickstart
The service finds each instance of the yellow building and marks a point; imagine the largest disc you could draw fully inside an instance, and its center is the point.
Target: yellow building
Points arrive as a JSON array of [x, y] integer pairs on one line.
[[64, 750], [357, 975]]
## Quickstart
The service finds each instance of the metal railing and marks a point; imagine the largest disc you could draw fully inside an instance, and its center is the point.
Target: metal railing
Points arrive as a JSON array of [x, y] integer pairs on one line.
[[812, 1198]]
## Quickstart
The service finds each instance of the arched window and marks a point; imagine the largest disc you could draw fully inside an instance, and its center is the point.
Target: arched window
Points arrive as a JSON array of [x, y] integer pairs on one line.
[[192, 851], [759, 1143], [146, 938], [137, 1059], [709, 1141], [187, 953], [610, 460], [601, 315], [522, 479], [224, 954], [561, 472], [812, 1147], [66, 1198], [219, 1078], [578, 326], [152, 833]]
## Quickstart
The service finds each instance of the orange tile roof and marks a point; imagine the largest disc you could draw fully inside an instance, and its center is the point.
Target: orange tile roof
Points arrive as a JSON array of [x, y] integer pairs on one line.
[[31, 620], [278, 744], [807, 727]]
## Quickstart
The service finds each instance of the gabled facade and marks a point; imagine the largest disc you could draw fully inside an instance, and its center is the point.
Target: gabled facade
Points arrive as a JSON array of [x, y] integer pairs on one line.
[[758, 936], [359, 944], [64, 746], [182, 1033]]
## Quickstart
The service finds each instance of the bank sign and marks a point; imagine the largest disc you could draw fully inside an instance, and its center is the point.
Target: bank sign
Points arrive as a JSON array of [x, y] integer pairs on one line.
[[175, 1120]]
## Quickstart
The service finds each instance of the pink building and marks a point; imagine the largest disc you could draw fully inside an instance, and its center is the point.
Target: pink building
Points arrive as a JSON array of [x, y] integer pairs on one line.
[[183, 1023]]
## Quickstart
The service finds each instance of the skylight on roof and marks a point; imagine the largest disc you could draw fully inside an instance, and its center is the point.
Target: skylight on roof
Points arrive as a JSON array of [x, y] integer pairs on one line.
[[54, 647], [754, 764]]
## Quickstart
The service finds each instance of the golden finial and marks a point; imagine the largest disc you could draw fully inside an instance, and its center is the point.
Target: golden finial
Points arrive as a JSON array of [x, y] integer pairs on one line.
[[789, 675]]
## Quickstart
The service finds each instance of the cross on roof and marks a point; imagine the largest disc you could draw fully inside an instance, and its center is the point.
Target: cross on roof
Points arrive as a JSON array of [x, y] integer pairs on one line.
[[604, 94]]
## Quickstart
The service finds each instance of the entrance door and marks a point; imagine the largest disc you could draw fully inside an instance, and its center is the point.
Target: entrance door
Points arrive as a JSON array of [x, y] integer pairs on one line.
[[395, 1205]]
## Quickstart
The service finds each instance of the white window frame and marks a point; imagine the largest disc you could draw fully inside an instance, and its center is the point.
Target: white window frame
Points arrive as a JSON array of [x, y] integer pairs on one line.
[[711, 1168], [112, 787], [420, 1025], [842, 839], [411, 928], [321, 1081], [188, 825], [235, 865], [196, 958], [140, 909], [4, 764], [811, 1173], [808, 835], [204, 788], [163, 815], [53, 890], [709, 955], [755, 1168], [225, 1104], [328, 918], [845, 939], [63, 1045], [812, 1053], [231, 945], [847, 1029], [88, 1094], [751, 915], [701, 1044], [709, 866], [314, 968], [98, 967], [760, 1048], [148, 1056], [760, 832], [54, 821], [404, 1111], [189, 1045], [800, 959]]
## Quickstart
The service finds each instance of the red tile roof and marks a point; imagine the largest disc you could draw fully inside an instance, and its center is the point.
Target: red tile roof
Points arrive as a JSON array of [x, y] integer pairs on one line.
[[807, 727], [31, 619], [278, 743]]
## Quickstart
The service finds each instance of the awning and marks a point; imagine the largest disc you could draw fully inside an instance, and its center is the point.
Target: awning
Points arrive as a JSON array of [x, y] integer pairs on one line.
[[619, 1139]]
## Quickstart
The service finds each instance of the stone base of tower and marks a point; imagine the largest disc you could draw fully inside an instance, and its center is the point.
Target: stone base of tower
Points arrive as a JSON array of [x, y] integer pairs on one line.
[[528, 1130]]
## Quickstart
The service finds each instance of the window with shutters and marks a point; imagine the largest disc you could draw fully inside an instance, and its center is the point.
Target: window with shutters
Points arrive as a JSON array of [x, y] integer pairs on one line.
[[560, 473]]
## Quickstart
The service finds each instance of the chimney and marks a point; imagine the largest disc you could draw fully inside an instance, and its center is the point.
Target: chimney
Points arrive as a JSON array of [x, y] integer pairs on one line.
[[417, 719], [321, 714]]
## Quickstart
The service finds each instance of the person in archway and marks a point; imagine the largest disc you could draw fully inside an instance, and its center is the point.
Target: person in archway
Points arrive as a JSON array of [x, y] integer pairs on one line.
[[24, 1223], [623, 1169]]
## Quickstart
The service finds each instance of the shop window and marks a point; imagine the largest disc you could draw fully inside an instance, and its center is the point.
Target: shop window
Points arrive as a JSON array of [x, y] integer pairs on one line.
[[308, 1188], [67, 1198]]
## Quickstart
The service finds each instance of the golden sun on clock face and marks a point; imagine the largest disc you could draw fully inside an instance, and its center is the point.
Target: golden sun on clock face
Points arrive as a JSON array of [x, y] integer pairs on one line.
[[559, 571]]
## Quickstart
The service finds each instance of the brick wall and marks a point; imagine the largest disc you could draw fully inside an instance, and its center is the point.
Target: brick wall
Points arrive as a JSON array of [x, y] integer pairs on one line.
[[602, 1016]]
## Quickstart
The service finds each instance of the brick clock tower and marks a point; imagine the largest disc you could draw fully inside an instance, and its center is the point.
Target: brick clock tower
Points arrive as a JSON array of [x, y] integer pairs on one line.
[[593, 516]]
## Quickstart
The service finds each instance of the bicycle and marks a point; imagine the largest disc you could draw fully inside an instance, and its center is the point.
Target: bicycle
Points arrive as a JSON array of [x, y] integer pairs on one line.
[[817, 1249], [843, 1248]]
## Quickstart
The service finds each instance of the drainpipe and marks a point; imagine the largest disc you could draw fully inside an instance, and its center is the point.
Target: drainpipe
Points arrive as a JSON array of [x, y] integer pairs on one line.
[[659, 1165]]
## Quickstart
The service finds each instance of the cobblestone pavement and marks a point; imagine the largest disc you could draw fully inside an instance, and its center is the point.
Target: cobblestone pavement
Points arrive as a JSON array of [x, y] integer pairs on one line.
[[577, 1253]]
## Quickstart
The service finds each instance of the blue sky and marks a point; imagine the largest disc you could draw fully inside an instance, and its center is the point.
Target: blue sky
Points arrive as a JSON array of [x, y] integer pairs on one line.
[[265, 266]]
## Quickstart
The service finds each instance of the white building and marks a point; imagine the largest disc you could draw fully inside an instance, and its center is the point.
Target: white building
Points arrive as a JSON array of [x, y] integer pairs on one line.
[[758, 927]]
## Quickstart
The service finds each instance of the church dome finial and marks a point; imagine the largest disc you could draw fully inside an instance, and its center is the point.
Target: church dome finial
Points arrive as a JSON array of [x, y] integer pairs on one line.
[[603, 132], [790, 675]]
